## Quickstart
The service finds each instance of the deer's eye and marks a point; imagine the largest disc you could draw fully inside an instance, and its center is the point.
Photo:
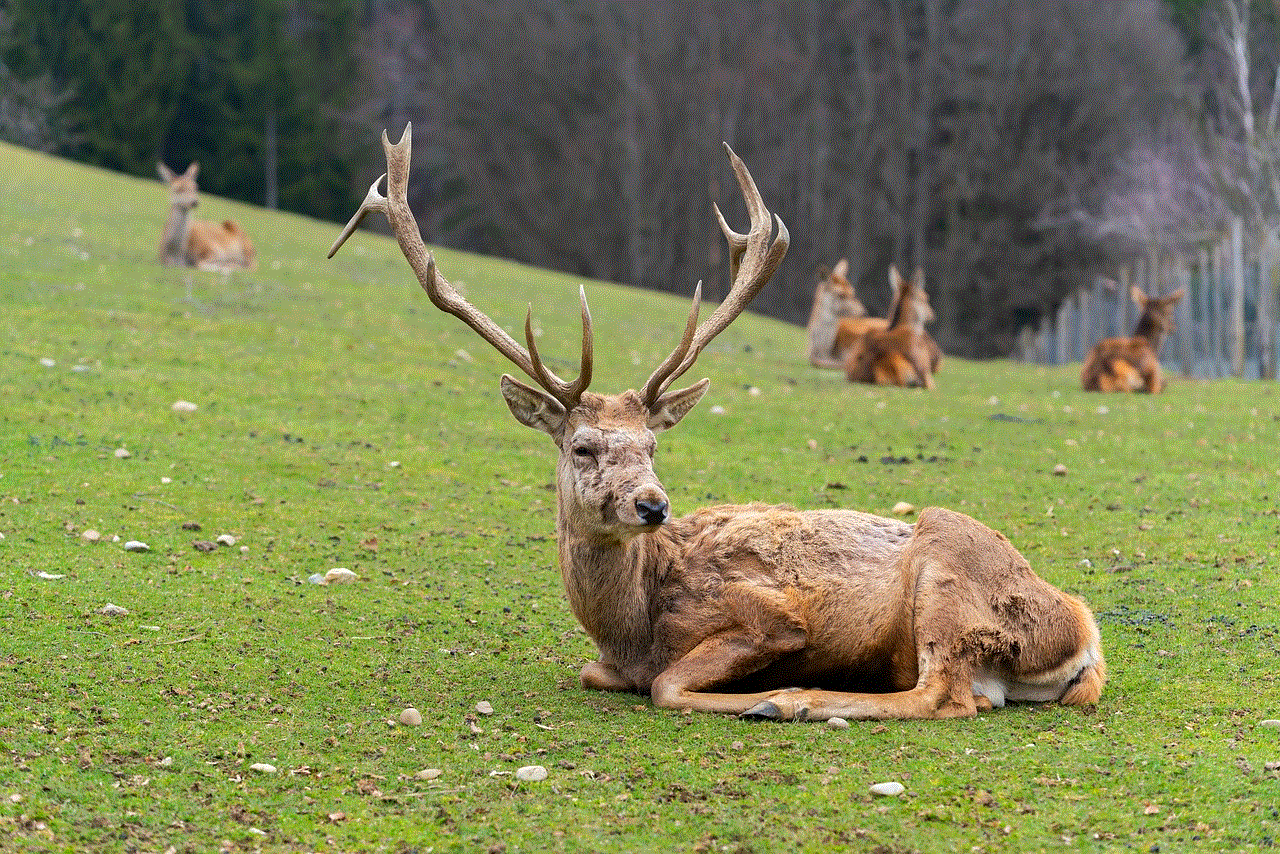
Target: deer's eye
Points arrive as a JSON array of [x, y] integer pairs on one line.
[[583, 451]]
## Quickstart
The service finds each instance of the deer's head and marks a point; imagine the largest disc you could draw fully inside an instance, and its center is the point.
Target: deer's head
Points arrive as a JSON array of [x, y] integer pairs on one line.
[[183, 191], [910, 301], [835, 288], [605, 476], [1156, 320]]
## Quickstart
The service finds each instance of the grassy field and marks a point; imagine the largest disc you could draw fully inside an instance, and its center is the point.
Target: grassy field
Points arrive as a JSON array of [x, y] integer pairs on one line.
[[343, 421]]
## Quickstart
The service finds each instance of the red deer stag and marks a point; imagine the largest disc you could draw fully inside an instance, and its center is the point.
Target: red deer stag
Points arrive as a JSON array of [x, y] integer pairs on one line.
[[1133, 364], [837, 318], [904, 354], [757, 610], [189, 242]]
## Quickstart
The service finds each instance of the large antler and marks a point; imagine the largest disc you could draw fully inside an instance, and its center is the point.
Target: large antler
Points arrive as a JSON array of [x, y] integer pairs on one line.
[[752, 259], [395, 206]]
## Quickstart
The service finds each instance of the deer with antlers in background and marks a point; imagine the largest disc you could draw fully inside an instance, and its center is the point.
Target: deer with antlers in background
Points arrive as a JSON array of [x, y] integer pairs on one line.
[[758, 610], [837, 318], [190, 242], [904, 354], [1133, 363]]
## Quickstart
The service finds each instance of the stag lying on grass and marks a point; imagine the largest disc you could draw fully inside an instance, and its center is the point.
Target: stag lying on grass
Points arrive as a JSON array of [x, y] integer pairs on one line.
[[189, 242], [1133, 363], [837, 318], [757, 610], [904, 354]]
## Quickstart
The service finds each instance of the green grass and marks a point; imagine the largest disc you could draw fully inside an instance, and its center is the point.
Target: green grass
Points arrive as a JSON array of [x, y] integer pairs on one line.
[[312, 377]]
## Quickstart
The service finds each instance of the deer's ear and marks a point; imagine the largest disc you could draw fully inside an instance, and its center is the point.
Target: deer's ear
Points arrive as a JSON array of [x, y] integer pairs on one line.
[[1136, 294], [193, 170], [667, 410], [895, 280], [166, 174], [533, 407], [1176, 295]]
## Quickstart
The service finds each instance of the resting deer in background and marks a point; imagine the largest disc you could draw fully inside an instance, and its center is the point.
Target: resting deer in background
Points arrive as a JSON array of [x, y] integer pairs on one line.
[[837, 318], [189, 242], [757, 610], [1133, 364], [904, 354]]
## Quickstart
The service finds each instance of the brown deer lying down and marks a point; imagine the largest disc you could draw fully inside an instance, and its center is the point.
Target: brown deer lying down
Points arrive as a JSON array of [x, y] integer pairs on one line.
[[733, 608], [1133, 364], [837, 318], [904, 354], [188, 242]]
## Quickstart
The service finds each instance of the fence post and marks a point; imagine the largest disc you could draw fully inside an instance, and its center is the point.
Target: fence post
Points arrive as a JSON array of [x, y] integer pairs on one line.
[[1237, 297], [1185, 321], [1266, 310]]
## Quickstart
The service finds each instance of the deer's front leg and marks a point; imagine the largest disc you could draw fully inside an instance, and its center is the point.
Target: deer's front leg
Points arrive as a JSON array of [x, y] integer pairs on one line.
[[718, 660], [598, 676]]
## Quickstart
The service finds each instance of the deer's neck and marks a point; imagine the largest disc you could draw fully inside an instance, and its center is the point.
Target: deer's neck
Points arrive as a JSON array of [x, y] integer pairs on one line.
[[1151, 330], [173, 243], [611, 586], [822, 325]]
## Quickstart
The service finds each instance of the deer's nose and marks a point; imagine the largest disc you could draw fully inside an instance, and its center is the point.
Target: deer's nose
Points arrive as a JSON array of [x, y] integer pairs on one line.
[[652, 512]]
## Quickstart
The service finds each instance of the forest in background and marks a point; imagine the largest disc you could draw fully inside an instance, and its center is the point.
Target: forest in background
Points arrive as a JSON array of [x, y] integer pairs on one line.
[[1018, 150]]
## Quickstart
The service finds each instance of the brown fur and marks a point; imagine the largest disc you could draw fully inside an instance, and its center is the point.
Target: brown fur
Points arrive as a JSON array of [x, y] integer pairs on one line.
[[1133, 364], [754, 609], [189, 242], [904, 354]]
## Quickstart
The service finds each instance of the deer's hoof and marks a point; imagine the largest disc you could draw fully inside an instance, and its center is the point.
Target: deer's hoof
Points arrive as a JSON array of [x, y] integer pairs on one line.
[[765, 711]]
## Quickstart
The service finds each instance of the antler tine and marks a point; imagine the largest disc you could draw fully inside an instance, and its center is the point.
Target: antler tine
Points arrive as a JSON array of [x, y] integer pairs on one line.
[[753, 258], [567, 393], [442, 294], [373, 201]]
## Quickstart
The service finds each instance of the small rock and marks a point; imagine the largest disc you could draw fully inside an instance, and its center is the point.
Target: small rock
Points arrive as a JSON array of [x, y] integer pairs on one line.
[[190, 526], [717, 410], [837, 723], [136, 546], [166, 480], [753, 391], [411, 717], [91, 535], [184, 406], [47, 362], [244, 550], [464, 356], [204, 546], [226, 540], [902, 508], [113, 610], [531, 773], [263, 768], [888, 790], [50, 576], [428, 774], [122, 454], [339, 575], [394, 464], [1060, 470], [1270, 722], [484, 708], [166, 762], [315, 578], [1085, 562]]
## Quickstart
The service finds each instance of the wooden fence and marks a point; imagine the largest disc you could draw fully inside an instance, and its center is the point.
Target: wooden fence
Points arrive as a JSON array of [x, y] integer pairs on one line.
[[1225, 326]]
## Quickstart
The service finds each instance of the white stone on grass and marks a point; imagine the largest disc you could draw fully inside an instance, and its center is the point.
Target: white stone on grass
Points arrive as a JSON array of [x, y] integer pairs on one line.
[[411, 717], [483, 707], [837, 723], [531, 773], [113, 610], [263, 768], [339, 575], [888, 790], [428, 774], [225, 540], [184, 406], [122, 454], [1270, 722], [136, 546]]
